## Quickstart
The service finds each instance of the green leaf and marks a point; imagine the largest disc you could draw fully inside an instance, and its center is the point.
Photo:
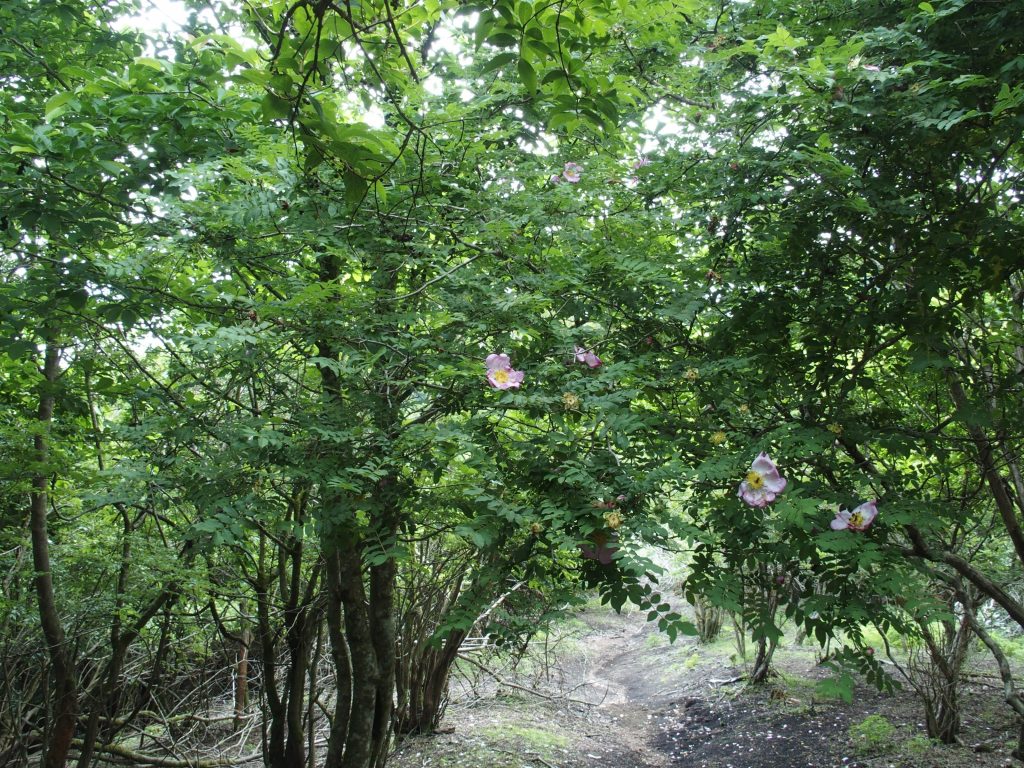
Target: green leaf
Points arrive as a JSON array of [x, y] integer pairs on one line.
[[157, 64], [275, 107], [55, 105], [837, 687], [528, 75], [78, 299], [355, 188], [782, 38], [499, 61], [20, 348]]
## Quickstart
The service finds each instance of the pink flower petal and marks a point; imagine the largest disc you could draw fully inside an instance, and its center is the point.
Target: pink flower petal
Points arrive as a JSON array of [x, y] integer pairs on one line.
[[865, 515], [584, 355], [497, 361], [764, 465], [859, 519], [755, 497], [571, 172], [765, 475]]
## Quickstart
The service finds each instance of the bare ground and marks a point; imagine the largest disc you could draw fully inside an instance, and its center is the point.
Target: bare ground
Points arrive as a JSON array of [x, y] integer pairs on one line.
[[614, 693]]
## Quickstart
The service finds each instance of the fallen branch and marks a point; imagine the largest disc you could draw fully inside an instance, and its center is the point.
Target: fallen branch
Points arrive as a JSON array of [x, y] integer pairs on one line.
[[501, 681], [146, 714], [719, 683], [124, 753]]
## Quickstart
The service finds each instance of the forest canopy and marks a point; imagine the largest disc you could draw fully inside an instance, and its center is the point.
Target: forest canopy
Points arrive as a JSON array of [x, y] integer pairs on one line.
[[348, 331]]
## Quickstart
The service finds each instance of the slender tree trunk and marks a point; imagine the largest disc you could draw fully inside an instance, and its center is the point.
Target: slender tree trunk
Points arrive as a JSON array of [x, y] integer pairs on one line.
[[762, 661], [430, 686], [342, 664], [65, 697], [273, 740], [314, 669], [299, 647], [382, 620], [359, 746], [241, 692]]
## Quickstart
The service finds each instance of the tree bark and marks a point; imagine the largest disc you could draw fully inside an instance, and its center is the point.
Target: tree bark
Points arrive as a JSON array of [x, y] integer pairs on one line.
[[342, 664], [241, 691], [382, 631], [359, 745], [65, 703]]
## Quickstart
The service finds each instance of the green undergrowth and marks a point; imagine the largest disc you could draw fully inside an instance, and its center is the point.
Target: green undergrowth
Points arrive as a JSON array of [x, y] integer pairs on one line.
[[466, 756], [544, 742], [1013, 647], [511, 732], [877, 736]]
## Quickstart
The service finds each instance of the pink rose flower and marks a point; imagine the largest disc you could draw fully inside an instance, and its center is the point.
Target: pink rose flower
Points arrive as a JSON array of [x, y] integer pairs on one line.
[[500, 373], [587, 356], [762, 483], [858, 520], [572, 172]]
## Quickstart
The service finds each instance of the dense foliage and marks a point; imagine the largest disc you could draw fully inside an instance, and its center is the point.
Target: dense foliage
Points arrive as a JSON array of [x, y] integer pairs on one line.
[[334, 334]]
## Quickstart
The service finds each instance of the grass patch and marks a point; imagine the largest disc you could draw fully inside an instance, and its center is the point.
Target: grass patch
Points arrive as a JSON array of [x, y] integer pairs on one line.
[[874, 735], [916, 745], [656, 640], [1013, 647], [545, 743], [462, 756]]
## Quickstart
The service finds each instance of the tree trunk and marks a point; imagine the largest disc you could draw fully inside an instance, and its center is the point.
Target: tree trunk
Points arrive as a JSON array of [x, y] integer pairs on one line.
[[65, 697], [241, 690], [274, 739], [428, 684], [359, 745], [285, 746], [382, 629], [762, 662]]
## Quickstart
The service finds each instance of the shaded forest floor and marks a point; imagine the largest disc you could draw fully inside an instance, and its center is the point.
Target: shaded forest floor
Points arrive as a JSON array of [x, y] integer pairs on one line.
[[616, 694]]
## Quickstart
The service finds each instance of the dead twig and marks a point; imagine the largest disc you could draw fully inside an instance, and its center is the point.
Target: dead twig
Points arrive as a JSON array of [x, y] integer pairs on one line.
[[715, 683], [502, 681]]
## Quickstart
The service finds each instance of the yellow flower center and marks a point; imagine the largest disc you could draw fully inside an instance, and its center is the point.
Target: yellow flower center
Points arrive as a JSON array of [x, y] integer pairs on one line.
[[613, 520], [500, 376], [754, 480], [856, 520], [718, 438]]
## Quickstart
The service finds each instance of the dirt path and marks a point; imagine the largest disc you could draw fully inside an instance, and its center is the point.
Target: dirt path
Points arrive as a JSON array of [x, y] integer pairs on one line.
[[615, 694], [683, 705], [617, 680]]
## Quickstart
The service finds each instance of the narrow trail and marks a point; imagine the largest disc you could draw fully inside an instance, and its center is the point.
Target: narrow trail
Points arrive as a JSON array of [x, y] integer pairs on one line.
[[617, 695], [653, 715], [616, 679]]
